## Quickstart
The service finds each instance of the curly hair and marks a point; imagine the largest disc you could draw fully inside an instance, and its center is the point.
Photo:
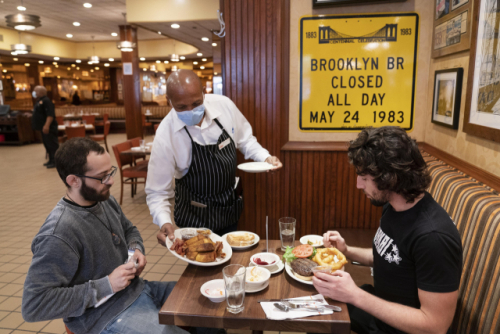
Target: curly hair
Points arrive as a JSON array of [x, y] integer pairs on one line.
[[392, 158]]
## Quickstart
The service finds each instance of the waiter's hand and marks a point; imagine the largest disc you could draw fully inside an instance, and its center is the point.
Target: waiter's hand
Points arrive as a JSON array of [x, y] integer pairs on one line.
[[167, 230], [275, 162], [45, 129]]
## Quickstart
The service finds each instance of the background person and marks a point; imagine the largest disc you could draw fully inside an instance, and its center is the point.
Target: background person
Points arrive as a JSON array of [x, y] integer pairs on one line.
[[44, 120]]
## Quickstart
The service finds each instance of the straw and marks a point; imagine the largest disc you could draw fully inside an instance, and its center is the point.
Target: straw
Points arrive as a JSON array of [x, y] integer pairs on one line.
[[267, 234]]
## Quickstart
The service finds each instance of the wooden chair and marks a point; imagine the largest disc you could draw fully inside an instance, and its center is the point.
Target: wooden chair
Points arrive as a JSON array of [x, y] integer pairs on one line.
[[138, 159], [105, 118], [156, 127], [89, 119], [75, 131], [130, 174], [104, 136], [146, 125], [60, 120]]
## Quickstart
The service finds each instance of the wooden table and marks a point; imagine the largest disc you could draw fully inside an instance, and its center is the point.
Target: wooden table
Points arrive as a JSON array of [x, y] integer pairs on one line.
[[79, 116], [137, 152], [88, 127], [186, 306]]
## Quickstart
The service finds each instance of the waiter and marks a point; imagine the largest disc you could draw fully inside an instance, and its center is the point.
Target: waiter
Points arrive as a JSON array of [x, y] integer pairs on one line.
[[44, 119], [196, 144]]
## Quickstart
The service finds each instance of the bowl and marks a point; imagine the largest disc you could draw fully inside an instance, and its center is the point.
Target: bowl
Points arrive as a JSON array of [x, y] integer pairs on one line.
[[256, 276], [214, 290], [188, 233], [312, 239], [270, 258]]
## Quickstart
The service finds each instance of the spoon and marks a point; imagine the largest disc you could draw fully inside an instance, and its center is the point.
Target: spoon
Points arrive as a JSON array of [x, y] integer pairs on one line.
[[285, 308]]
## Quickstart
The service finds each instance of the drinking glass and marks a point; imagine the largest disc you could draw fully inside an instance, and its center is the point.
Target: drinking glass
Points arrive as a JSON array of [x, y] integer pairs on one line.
[[287, 232], [142, 143], [234, 281]]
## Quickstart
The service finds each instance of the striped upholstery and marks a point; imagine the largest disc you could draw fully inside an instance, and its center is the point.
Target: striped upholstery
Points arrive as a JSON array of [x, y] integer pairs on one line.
[[475, 208], [114, 112]]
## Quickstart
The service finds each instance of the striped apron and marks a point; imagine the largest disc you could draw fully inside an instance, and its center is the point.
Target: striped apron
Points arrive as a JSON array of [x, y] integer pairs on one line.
[[205, 197]]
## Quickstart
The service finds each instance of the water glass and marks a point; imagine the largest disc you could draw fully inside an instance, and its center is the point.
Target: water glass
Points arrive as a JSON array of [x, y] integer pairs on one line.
[[142, 144], [234, 281], [287, 232]]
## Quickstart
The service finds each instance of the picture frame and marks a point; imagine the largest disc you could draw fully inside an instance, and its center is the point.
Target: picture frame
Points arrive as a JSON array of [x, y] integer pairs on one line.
[[334, 3], [442, 8], [447, 97], [454, 4], [482, 112]]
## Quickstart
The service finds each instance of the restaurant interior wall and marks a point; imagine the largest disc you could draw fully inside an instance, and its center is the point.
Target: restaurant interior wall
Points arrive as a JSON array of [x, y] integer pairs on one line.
[[171, 10]]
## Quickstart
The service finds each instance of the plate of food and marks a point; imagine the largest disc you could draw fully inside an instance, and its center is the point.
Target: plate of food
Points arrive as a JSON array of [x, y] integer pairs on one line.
[[255, 167], [241, 240], [200, 247], [312, 239], [303, 260]]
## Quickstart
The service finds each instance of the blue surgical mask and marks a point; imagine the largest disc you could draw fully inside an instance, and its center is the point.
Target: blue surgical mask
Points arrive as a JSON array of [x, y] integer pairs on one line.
[[192, 117]]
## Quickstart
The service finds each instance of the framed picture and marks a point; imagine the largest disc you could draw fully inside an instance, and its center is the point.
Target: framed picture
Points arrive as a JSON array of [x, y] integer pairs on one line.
[[442, 8], [452, 28], [457, 3], [482, 111], [333, 3], [447, 95]]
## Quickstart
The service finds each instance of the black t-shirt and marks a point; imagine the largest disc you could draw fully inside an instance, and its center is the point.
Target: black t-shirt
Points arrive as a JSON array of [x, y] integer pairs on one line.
[[43, 109], [419, 248]]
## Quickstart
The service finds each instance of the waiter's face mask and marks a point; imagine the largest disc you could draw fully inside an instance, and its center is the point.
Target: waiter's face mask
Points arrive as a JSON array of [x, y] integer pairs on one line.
[[192, 117]]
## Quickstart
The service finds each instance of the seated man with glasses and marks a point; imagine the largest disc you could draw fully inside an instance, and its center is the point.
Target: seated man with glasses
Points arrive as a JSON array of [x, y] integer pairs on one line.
[[80, 270]]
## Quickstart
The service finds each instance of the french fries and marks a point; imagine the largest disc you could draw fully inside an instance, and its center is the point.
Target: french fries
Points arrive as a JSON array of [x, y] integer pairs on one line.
[[330, 257]]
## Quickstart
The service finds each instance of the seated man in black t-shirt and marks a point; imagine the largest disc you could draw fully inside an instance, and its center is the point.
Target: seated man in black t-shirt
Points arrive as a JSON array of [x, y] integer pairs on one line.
[[417, 251]]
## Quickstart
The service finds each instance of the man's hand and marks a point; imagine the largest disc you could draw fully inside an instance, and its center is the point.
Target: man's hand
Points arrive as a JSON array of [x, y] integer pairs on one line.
[[45, 129], [338, 286], [141, 261], [275, 162], [120, 277], [167, 230], [334, 239]]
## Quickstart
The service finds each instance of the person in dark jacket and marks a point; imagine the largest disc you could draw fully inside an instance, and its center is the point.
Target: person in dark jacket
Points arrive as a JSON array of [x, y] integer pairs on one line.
[[76, 99], [44, 120]]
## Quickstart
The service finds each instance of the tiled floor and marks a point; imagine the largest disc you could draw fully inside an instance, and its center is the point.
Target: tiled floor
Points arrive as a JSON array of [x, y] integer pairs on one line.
[[28, 192]]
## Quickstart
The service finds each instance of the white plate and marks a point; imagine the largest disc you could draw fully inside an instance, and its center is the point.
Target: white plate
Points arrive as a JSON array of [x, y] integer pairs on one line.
[[274, 270], [313, 238], [225, 249], [289, 271], [214, 284], [257, 289], [256, 240], [255, 167]]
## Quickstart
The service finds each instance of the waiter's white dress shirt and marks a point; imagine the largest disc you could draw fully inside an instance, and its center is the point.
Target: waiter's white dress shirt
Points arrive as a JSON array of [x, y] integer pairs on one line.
[[171, 153]]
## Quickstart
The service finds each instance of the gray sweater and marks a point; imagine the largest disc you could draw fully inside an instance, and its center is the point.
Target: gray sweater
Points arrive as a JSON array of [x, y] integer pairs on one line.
[[72, 255]]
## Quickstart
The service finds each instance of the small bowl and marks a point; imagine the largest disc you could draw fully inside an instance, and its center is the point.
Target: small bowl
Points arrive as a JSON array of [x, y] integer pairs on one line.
[[316, 240], [271, 258], [214, 290], [188, 233], [262, 272]]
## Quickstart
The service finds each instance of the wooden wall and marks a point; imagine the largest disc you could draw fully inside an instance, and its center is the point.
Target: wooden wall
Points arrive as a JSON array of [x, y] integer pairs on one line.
[[317, 187]]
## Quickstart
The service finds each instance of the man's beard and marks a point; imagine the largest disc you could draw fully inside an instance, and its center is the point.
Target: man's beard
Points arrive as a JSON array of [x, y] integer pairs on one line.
[[91, 195], [381, 200]]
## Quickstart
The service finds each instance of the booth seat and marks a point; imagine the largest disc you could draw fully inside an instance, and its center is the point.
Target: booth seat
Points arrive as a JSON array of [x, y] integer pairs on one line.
[[115, 113]]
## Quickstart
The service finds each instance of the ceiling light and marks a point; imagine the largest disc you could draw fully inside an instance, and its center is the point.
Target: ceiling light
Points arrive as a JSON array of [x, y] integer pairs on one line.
[[214, 44], [114, 34], [97, 68], [54, 63], [73, 65], [15, 59], [106, 64], [205, 39], [91, 70], [56, 66], [158, 61], [23, 21], [69, 68], [69, 35], [21, 8], [40, 62], [20, 49], [195, 63], [202, 67], [78, 61], [203, 59], [90, 63], [182, 57], [87, 5], [13, 53], [175, 26], [166, 61], [159, 32], [144, 69], [56, 58], [4, 71], [215, 73], [78, 68], [58, 77], [199, 54], [174, 57], [111, 59], [125, 46], [76, 24], [142, 59], [94, 59], [174, 68], [27, 64]]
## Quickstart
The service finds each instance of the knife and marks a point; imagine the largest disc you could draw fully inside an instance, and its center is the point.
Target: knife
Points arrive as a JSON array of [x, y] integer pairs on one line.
[[329, 307], [290, 300]]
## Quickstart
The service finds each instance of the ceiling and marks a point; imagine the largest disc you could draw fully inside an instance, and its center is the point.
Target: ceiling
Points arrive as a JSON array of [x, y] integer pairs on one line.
[[57, 17]]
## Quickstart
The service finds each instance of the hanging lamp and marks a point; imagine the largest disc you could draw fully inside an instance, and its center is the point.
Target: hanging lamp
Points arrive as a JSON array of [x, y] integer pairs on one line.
[[93, 59], [23, 22], [125, 46], [20, 48]]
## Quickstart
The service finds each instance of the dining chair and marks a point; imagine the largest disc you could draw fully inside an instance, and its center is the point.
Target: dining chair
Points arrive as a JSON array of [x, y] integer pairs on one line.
[[89, 119], [105, 118], [138, 159], [60, 120], [156, 127], [75, 131], [146, 125], [103, 137], [131, 174]]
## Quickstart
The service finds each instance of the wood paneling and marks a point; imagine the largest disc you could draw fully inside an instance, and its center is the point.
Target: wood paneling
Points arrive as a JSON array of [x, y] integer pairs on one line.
[[317, 187]]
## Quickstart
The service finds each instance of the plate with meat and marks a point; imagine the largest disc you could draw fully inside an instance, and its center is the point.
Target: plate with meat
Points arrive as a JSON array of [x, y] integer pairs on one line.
[[202, 248]]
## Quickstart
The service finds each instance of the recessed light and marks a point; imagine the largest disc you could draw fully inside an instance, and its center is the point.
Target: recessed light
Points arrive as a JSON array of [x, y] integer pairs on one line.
[[54, 63], [91, 70], [15, 59], [73, 65], [142, 59], [87, 5], [27, 64], [203, 59], [158, 61], [78, 68], [106, 64], [199, 54], [114, 34], [21, 8], [159, 32], [195, 63], [69, 68], [69, 35], [182, 57], [56, 58], [97, 68], [166, 61], [56, 66], [175, 26], [40, 62], [4, 71], [144, 69], [90, 63], [111, 59], [76, 24], [78, 61], [214, 44], [205, 39], [215, 73], [202, 67], [58, 77]]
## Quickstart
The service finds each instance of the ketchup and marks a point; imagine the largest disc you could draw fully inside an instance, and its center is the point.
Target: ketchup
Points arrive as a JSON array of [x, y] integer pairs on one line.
[[261, 262]]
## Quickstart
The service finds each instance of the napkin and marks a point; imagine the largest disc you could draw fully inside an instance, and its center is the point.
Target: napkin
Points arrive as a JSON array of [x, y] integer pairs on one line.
[[275, 314], [138, 148]]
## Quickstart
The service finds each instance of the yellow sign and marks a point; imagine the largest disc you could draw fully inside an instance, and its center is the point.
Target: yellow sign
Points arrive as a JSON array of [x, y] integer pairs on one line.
[[357, 71]]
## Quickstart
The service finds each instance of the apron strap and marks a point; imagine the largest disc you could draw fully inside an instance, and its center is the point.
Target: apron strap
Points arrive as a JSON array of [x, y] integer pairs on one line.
[[185, 128], [220, 126]]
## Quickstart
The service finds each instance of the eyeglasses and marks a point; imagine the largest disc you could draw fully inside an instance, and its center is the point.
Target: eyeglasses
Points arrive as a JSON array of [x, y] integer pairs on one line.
[[105, 178]]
